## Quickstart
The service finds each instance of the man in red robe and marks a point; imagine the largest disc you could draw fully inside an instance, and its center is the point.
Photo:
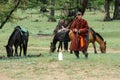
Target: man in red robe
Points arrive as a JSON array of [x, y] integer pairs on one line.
[[78, 34]]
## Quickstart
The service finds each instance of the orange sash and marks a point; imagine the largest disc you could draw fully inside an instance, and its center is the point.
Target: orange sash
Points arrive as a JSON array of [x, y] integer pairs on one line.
[[81, 38], [82, 42]]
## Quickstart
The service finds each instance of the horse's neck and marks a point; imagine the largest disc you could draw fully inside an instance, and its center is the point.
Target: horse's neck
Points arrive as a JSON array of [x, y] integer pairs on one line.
[[54, 42], [12, 38], [99, 40], [11, 41]]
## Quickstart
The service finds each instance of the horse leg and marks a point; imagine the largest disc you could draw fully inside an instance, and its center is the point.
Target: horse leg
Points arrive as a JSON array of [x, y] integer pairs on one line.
[[76, 54], [20, 50], [66, 40], [25, 49], [85, 53], [16, 48], [65, 46], [71, 52], [60, 45], [95, 51]]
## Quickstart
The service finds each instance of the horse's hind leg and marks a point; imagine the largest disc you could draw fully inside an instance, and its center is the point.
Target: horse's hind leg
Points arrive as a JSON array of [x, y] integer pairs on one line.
[[85, 53], [58, 47], [61, 45], [71, 52], [65, 46], [25, 49]]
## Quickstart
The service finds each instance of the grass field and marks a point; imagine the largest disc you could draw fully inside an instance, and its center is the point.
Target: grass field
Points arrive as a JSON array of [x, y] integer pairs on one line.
[[47, 67]]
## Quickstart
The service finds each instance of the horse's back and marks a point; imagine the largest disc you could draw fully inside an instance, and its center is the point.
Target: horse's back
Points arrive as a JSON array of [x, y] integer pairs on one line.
[[92, 35], [60, 36]]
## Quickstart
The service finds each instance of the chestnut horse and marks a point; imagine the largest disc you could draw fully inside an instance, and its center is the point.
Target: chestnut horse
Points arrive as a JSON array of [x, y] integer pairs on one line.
[[96, 37]]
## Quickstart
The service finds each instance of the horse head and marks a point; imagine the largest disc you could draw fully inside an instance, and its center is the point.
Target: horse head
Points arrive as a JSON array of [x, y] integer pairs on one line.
[[52, 47], [59, 26], [9, 51], [103, 47]]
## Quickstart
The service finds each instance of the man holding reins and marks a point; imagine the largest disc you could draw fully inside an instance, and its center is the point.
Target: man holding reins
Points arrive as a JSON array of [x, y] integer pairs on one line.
[[78, 34]]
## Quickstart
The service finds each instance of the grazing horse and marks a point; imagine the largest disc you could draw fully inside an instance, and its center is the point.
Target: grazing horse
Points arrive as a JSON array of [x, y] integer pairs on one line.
[[19, 37], [96, 37], [64, 37], [58, 37]]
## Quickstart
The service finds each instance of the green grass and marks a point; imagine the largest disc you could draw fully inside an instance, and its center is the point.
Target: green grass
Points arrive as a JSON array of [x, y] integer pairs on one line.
[[97, 66]]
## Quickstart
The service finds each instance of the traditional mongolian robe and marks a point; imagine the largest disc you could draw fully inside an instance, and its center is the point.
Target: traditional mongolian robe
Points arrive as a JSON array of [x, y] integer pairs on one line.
[[79, 38]]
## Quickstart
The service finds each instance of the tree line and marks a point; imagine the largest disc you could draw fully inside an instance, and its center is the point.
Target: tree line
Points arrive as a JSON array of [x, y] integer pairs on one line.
[[66, 7]]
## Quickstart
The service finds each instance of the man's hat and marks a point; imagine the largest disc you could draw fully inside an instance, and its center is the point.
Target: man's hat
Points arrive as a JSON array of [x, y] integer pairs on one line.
[[79, 13]]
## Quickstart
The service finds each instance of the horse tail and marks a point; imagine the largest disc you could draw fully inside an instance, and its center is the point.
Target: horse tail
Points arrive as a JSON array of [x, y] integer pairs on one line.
[[94, 33]]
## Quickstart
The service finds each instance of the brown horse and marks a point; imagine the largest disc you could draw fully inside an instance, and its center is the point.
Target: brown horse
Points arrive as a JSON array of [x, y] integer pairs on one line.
[[96, 37]]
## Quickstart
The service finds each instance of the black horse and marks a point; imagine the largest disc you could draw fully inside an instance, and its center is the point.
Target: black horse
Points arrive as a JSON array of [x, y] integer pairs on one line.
[[61, 37], [19, 37]]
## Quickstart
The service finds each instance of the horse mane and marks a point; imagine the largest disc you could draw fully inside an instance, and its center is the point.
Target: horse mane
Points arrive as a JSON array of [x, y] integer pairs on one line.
[[12, 35], [99, 36], [92, 29]]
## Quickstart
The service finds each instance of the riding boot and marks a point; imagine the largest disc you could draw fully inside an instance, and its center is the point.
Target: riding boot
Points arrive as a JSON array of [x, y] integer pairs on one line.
[[77, 54], [85, 53]]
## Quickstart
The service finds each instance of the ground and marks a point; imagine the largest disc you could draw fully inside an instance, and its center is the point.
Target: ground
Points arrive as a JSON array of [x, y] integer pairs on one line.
[[52, 69]]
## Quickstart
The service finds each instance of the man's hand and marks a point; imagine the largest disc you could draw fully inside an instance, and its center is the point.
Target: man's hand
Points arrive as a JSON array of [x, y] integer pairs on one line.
[[75, 30]]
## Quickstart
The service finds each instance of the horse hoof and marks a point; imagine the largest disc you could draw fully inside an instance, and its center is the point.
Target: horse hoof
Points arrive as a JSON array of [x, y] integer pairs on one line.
[[65, 50], [71, 52], [95, 52], [86, 56], [16, 55]]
